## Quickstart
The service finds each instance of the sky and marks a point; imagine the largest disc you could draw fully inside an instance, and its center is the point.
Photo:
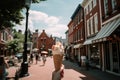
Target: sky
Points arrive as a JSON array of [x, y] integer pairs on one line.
[[52, 16]]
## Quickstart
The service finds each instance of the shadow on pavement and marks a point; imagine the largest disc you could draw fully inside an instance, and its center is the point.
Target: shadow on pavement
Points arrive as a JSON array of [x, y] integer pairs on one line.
[[91, 74], [83, 71]]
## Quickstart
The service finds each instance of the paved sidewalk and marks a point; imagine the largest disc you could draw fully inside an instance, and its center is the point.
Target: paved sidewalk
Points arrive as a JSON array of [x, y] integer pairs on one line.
[[71, 72], [91, 74]]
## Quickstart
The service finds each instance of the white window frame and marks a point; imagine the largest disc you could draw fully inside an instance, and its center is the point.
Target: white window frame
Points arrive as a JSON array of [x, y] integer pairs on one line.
[[81, 33], [91, 24], [88, 30], [94, 3], [86, 10], [96, 22], [90, 6], [114, 3]]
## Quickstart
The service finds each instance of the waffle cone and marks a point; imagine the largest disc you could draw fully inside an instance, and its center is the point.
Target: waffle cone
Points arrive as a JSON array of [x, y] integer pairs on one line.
[[57, 58]]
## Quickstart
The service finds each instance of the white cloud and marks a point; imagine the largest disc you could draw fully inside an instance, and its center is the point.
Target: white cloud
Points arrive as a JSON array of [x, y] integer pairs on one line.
[[52, 23]]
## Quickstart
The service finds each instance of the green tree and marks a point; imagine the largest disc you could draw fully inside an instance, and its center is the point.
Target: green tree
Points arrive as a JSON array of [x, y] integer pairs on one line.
[[18, 35], [11, 12], [16, 45]]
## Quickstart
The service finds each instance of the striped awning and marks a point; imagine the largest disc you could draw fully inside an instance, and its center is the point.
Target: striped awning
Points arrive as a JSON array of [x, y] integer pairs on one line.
[[77, 45], [88, 41], [107, 30]]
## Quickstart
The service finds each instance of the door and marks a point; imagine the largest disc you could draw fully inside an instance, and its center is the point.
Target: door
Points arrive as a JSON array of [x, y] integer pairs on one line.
[[115, 57]]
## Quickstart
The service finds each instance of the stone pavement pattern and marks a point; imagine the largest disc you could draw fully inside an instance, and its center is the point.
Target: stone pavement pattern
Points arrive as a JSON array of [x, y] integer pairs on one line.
[[71, 72]]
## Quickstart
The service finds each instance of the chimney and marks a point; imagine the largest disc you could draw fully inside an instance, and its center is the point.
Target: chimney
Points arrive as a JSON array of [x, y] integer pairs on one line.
[[43, 30], [36, 30]]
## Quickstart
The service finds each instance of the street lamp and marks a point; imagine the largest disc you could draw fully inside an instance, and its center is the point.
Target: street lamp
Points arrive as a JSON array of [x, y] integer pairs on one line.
[[24, 65]]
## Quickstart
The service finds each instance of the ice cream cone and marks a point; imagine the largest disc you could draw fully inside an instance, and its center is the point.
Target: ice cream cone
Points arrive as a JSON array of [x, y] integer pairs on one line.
[[57, 51], [57, 58]]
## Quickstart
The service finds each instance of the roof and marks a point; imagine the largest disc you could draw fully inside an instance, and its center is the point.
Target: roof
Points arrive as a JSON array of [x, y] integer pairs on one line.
[[76, 11]]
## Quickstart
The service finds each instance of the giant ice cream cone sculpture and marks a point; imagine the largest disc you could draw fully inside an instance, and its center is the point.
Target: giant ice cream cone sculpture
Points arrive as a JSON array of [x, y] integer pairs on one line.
[[57, 51]]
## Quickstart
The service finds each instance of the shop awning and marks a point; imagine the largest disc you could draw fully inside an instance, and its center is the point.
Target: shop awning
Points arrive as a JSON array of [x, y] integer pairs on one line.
[[77, 45], [88, 41], [107, 30], [68, 47]]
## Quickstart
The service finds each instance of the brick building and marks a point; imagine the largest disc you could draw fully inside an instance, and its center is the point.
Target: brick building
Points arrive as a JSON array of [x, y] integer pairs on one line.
[[92, 19], [108, 37], [35, 39], [101, 39], [5, 35], [43, 41], [76, 34]]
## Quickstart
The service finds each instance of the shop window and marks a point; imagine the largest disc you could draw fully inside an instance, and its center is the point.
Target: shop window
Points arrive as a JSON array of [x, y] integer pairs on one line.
[[95, 56], [115, 57]]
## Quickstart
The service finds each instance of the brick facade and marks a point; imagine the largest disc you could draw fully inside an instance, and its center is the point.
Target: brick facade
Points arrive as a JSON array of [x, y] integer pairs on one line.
[[45, 42]]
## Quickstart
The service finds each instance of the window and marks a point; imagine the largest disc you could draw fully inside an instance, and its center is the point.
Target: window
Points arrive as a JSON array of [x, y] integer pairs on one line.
[[1, 35], [79, 17], [114, 4], [77, 35], [96, 22], [106, 6], [4, 36], [91, 24], [94, 3], [88, 29], [81, 33], [90, 6], [86, 10]]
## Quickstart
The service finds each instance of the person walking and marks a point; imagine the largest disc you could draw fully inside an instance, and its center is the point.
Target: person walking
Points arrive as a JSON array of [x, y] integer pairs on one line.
[[36, 57], [3, 66], [44, 59], [31, 58]]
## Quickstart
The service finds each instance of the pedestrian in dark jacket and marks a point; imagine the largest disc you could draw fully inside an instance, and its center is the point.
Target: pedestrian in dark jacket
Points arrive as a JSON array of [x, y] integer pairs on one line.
[[36, 57], [31, 58]]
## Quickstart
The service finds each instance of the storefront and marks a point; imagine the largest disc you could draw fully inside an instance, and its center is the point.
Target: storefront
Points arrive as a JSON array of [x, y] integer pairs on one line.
[[109, 37], [112, 56], [95, 55]]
